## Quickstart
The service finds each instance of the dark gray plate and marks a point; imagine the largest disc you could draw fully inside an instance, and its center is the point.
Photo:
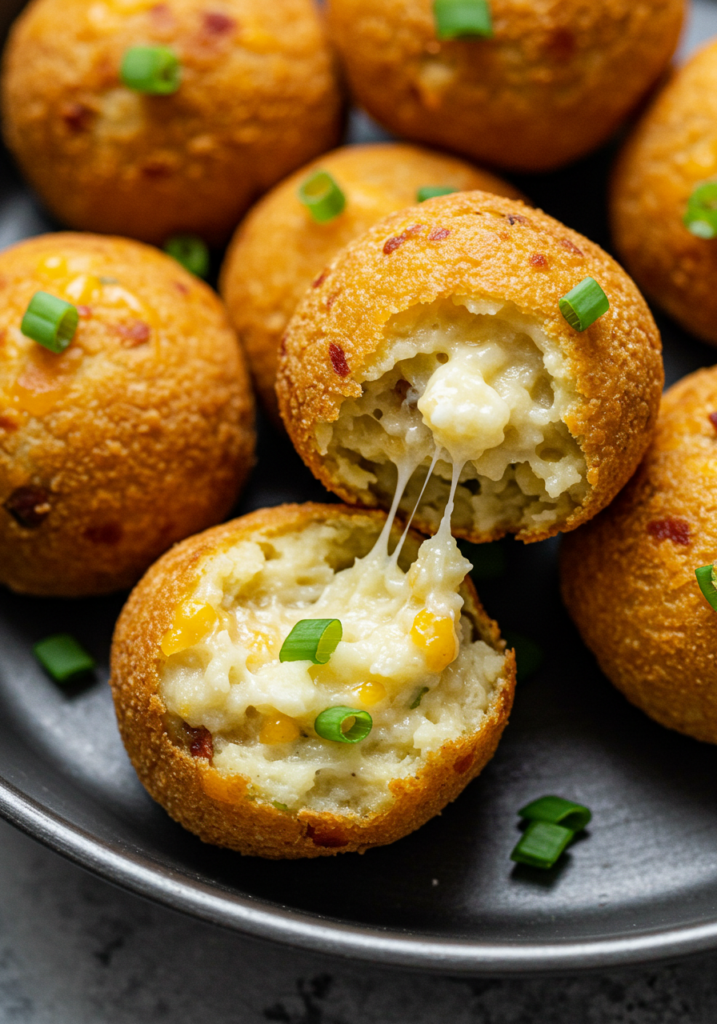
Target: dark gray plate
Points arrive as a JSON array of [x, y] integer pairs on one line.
[[642, 885]]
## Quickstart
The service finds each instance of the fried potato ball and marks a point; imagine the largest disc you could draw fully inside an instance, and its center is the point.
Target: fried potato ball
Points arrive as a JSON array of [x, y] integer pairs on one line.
[[436, 342], [672, 150], [628, 578], [258, 96], [553, 82], [227, 737], [279, 248], [138, 434]]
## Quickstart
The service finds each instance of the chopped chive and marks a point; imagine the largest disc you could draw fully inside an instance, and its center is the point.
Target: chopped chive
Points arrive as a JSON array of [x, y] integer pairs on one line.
[[701, 214], [488, 559], [63, 658], [706, 579], [529, 656], [280, 806], [455, 18], [191, 252], [557, 811], [322, 197], [312, 640], [541, 844], [584, 304], [50, 321], [154, 70], [418, 698], [343, 725], [431, 191]]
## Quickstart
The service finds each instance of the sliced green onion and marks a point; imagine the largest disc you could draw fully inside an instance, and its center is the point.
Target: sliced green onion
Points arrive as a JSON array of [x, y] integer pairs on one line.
[[431, 191], [63, 658], [418, 698], [322, 197], [280, 806], [50, 321], [312, 640], [154, 70], [706, 579], [701, 214], [557, 811], [454, 18], [529, 656], [488, 559], [541, 844], [191, 252], [584, 304], [343, 725]]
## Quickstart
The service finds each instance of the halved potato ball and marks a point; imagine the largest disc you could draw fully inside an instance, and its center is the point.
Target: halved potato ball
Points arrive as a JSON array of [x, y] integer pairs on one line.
[[553, 81], [279, 249], [672, 151], [436, 341], [302, 758], [257, 97], [628, 578], [138, 434]]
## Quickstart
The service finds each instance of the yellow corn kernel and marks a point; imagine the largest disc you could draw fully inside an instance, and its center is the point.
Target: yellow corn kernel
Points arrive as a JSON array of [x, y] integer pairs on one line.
[[370, 693], [228, 789], [191, 624], [83, 289], [435, 636], [278, 728], [53, 266]]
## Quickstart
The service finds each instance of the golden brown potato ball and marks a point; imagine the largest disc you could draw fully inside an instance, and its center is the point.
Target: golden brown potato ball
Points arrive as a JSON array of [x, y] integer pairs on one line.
[[672, 150], [438, 336], [628, 578], [138, 434], [258, 97], [226, 736], [279, 248], [554, 81]]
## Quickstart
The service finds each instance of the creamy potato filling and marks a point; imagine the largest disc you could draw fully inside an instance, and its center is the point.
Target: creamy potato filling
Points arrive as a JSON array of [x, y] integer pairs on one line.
[[468, 383], [411, 655]]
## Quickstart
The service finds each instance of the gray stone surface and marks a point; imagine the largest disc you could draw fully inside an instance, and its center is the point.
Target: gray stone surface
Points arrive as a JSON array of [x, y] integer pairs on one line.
[[74, 950]]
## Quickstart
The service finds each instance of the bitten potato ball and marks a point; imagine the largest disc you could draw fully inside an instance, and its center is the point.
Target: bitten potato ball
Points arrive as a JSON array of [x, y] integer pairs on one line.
[[628, 578], [435, 344], [257, 97], [233, 739], [279, 249], [553, 81], [672, 152], [138, 434]]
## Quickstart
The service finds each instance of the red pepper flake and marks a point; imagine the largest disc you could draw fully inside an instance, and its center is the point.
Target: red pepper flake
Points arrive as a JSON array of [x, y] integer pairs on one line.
[[217, 23], [538, 259], [201, 743], [317, 282], [676, 530], [134, 334], [463, 764], [85, 312], [571, 247], [76, 116], [713, 419], [438, 234], [330, 837], [517, 218], [338, 360], [393, 243], [104, 533], [29, 506], [331, 299], [181, 288]]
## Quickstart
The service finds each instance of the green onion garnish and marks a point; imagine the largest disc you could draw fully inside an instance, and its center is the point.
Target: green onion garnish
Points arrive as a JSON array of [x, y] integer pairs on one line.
[[431, 191], [343, 725], [584, 304], [706, 579], [488, 559], [557, 811], [279, 806], [191, 252], [701, 214], [63, 658], [312, 640], [418, 698], [541, 844], [154, 70], [322, 197], [455, 18], [529, 657], [50, 321]]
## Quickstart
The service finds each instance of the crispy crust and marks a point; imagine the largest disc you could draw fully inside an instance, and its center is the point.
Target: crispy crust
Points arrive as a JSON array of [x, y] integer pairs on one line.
[[148, 436], [553, 82], [482, 246], [669, 153], [279, 249], [628, 578], [259, 96], [215, 808]]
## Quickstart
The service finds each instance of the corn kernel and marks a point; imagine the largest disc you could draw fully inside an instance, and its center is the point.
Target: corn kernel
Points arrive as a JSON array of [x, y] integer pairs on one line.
[[191, 624], [228, 789], [83, 289], [53, 266], [435, 636], [370, 693], [278, 728]]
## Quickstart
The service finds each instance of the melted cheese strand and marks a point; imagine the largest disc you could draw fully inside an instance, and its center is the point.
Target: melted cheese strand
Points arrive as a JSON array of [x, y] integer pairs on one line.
[[404, 470], [429, 474]]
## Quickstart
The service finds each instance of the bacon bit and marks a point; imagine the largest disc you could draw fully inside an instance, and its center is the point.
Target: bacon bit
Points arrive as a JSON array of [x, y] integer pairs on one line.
[[338, 360], [676, 530], [134, 334], [8, 424], [463, 764], [517, 218], [317, 282], [218, 24], [105, 533], [561, 44], [201, 743], [181, 288], [537, 259], [438, 234], [571, 247], [76, 116], [713, 419], [85, 312], [393, 243], [326, 836], [29, 506]]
